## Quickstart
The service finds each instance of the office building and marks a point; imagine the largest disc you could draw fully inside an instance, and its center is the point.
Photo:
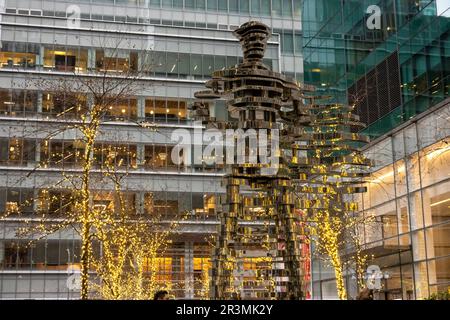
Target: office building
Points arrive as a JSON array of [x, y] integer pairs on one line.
[[186, 40]]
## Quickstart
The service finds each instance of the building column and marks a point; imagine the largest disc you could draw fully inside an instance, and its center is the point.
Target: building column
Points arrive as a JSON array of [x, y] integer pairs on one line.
[[2, 252], [36, 201], [140, 202], [141, 108], [189, 269], [40, 58], [91, 60], [39, 103], [140, 154], [37, 155]]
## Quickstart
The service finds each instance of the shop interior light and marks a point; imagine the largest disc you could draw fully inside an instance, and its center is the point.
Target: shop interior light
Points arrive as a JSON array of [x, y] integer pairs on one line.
[[438, 152], [439, 202], [389, 174]]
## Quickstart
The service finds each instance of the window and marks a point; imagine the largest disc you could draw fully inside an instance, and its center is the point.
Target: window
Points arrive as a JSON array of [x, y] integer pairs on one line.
[[266, 7], [256, 9], [21, 151], [234, 6], [298, 42], [63, 105], [18, 55], [17, 151], [155, 3], [158, 204], [287, 8], [244, 6], [65, 59], [196, 66], [162, 110], [297, 8], [17, 255], [190, 4], [207, 210], [110, 202], [167, 3], [159, 157], [55, 202], [440, 237], [158, 62], [16, 201], [183, 65], [61, 153], [200, 4], [288, 42], [112, 60], [276, 7], [117, 155], [18, 102], [212, 5], [220, 62], [223, 5], [122, 110], [172, 65], [208, 65], [178, 3]]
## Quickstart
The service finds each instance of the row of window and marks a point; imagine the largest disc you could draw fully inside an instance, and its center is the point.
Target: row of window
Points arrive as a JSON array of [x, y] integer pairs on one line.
[[25, 202], [287, 35], [60, 105], [64, 255], [69, 153], [15, 55], [278, 8], [286, 8]]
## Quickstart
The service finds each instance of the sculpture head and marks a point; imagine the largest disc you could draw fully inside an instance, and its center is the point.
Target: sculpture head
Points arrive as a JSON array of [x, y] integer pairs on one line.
[[253, 37]]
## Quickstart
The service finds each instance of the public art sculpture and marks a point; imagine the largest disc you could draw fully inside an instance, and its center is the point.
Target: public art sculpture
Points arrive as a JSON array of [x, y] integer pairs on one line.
[[297, 173]]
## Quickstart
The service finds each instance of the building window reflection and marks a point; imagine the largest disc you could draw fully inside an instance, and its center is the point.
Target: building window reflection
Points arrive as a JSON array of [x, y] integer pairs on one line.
[[116, 60], [122, 110], [115, 155], [19, 55], [165, 110], [159, 157], [17, 151], [63, 105], [65, 59], [18, 102]]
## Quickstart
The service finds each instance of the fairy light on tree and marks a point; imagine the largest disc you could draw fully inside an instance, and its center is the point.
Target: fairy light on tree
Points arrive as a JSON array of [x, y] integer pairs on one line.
[[327, 167], [129, 244]]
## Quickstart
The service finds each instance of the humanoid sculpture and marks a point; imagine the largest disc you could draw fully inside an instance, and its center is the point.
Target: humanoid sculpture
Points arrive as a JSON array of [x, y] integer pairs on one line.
[[313, 165], [258, 96]]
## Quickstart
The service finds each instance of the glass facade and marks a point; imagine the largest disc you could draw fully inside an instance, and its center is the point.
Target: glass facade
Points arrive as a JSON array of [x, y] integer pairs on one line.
[[390, 71], [408, 194]]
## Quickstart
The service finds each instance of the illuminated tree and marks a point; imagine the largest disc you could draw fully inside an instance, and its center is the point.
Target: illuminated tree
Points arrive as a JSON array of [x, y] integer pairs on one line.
[[127, 242], [327, 168]]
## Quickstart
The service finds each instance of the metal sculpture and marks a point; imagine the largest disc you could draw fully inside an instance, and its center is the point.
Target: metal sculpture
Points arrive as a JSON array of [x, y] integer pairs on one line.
[[311, 144], [258, 96]]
